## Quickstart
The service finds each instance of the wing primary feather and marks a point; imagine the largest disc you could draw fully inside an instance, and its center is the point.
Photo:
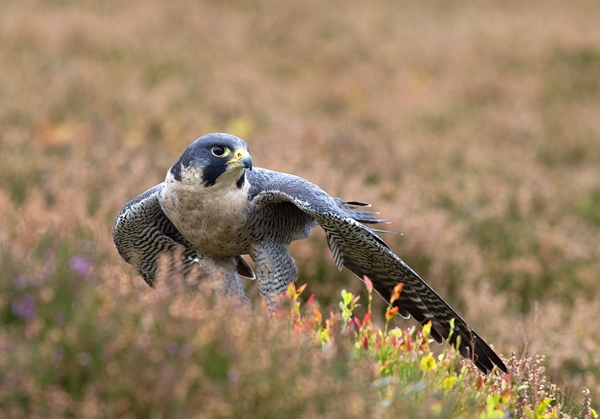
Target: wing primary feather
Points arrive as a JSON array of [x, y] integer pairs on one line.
[[355, 204], [377, 230], [336, 250]]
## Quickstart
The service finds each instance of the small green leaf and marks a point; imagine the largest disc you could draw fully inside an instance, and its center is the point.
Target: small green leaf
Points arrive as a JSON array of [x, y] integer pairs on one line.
[[541, 409], [528, 412]]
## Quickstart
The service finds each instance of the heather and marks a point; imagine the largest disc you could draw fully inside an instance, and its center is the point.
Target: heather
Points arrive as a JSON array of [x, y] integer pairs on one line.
[[472, 127]]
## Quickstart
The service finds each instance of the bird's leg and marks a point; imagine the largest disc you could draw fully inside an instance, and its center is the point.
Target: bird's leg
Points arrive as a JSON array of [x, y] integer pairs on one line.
[[275, 269], [233, 286], [224, 274]]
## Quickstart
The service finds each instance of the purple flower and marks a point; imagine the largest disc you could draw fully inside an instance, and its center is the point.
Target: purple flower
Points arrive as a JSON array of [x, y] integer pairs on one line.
[[24, 307], [20, 281], [171, 347], [12, 379], [80, 266]]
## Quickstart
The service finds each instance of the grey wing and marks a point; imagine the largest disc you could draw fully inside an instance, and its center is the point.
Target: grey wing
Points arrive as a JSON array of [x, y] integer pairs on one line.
[[356, 247], [142, 233]]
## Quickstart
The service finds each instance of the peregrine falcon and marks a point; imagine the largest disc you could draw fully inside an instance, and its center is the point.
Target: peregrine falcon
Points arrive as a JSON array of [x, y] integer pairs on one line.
[[214, 205]]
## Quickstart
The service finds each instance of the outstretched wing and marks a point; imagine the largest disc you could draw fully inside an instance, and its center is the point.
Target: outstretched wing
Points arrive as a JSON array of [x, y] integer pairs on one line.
[[356, 247], [143, 233]]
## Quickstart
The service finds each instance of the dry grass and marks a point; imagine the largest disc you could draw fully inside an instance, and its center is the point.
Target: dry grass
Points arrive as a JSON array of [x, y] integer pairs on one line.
[[473, 127]]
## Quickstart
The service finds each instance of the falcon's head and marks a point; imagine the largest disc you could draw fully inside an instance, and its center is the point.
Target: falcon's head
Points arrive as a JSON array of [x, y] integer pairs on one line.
[[214, 158]]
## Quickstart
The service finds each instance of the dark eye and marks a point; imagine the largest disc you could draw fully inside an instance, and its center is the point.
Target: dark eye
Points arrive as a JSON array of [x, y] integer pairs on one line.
[[218, 150]]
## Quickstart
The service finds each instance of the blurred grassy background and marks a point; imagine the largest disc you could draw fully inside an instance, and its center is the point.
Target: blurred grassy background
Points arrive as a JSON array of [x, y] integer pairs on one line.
[[473, 127]]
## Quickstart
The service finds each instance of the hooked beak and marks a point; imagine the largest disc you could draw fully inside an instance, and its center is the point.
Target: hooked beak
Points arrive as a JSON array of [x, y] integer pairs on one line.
[[241, 158]]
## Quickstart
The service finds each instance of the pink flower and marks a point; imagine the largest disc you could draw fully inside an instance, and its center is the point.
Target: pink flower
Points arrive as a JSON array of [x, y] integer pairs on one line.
[[24, 307], [80, 266]]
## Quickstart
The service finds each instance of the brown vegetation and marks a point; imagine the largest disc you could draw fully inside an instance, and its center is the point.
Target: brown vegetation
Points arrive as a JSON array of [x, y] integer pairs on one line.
[[472, 127]]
